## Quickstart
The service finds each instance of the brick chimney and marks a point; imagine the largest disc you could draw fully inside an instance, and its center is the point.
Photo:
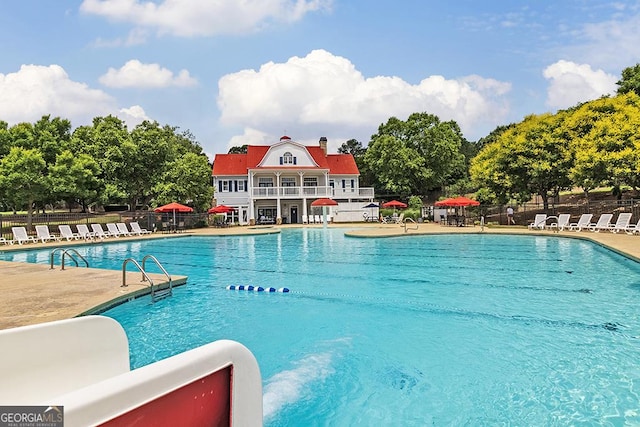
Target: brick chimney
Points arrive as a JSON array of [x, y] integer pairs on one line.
[[323, 144]]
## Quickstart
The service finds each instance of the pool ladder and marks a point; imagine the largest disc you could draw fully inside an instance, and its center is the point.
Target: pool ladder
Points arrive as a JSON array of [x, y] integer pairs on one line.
[[156, 294], [407, 220], [70, 252]]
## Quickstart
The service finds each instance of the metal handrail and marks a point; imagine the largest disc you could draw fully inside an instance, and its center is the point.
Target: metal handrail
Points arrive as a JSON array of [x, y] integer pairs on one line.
[[166, 291], [155, 294], [124, 272], [66, 252], [404, 224]]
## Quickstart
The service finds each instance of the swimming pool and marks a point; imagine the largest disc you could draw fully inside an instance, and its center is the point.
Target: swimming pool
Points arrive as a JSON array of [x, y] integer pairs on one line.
[[421, 330]]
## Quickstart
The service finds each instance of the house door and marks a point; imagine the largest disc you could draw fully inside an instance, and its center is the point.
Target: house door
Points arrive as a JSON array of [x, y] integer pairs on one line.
[[294, 214]]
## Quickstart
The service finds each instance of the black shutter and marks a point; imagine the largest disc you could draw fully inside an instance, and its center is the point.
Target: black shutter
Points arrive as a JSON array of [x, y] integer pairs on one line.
[[220, 186], [295, 162], [235, 186], [245, 185], [281, 161]]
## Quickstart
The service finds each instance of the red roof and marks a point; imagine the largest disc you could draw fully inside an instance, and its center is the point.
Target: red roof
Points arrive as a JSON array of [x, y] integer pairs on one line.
[[239, 164]]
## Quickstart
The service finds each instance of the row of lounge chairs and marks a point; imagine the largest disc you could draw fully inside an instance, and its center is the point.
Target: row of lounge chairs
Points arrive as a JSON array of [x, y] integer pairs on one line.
[[115, 230], [604, 223], [317, 219]]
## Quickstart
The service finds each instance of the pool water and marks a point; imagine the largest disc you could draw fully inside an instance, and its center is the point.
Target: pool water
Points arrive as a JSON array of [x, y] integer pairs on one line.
[[411, 331]]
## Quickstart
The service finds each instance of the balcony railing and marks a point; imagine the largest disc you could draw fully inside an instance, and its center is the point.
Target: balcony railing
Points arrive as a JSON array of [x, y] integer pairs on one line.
[[310, 192]]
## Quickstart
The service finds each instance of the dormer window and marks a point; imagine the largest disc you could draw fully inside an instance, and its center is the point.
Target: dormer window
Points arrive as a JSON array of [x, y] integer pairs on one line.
[[287, 159]]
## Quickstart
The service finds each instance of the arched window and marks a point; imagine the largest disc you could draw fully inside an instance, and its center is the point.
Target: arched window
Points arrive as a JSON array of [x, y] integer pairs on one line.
[[287, 158]]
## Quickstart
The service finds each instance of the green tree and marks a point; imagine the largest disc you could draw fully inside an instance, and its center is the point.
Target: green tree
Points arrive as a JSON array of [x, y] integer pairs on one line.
[[630, 81], [74, 177], [239, 150], [417, 155], [530, 158], [186, 180], [22, 178]]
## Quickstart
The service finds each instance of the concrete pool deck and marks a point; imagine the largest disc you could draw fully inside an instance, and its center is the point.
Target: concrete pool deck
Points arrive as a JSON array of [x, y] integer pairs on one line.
[[33, 293]]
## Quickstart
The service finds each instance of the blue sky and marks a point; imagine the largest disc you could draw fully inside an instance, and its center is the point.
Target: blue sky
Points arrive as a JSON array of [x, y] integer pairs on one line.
[[246, 72]]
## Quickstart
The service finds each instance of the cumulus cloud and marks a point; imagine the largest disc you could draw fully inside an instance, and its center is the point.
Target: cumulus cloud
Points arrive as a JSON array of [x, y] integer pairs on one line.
[[571, 83], [192, 18], [327, 94], [136, 74], [133, 115], [36, 90]]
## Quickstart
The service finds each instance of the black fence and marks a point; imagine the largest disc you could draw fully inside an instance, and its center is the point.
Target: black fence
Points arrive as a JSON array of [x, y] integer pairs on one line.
[[162, 222], [524, 214]]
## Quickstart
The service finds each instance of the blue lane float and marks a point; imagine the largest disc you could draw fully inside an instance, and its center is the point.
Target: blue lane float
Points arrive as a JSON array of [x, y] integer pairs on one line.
[[251, 288]]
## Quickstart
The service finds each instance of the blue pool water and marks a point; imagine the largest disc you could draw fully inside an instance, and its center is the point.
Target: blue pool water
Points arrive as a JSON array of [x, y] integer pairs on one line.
[[411, 331]]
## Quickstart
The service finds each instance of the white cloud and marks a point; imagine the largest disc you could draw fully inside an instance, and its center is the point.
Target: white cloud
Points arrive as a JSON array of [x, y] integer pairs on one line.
[[192, 18], [133, 115], [250, 137], [136, 74], [326, 94], [571, 83], [36, 90], [611, 44]]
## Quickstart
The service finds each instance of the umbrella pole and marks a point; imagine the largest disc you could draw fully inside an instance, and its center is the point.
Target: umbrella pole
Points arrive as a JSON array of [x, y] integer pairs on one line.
[[324, 217]]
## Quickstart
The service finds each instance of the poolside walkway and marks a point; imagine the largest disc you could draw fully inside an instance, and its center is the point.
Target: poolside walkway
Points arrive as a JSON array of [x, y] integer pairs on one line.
[[32, 293]]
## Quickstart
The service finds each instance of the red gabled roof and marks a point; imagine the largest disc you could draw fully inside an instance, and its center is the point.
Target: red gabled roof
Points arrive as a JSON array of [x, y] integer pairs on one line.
[[230, 164], [342, 164], [239, 164]]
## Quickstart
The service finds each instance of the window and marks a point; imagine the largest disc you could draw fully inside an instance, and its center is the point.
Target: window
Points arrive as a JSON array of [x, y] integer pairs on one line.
[[288, 182], [288, 159], [225, 185], [311, 182], [241, 186], [265, 182]]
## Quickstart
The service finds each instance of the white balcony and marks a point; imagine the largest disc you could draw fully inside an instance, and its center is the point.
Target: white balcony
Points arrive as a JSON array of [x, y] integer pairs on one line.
[[310, 192]]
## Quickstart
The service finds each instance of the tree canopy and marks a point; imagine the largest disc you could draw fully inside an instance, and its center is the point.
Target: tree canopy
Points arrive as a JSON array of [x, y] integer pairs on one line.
[[415, 156], [46, 162]]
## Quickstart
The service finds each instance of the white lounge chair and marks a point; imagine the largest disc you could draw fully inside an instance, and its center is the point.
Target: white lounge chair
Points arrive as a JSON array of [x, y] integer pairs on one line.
[[399, 218], [317, 219], [122, 228], [99, 232], [622, 223], [539, 222], [305, 220], [5, 241], [135, 229], [562, 222], [83, 231], [583, 222], [43, 234], [604, 223], [66, 233], [113, 229], [20, 236], [633, 229], [310, 219]]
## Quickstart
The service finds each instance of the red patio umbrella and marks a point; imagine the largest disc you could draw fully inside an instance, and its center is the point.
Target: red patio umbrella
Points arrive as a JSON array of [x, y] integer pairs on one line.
[[456, 202], [324, 202], [394, 204], [221, 209], [173, 207]]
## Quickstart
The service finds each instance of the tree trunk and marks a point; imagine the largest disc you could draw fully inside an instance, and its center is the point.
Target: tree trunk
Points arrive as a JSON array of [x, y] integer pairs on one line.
[[29, 214]]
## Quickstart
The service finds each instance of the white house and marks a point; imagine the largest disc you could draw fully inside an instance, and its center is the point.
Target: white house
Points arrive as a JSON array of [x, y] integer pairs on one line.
[[278, 183]]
